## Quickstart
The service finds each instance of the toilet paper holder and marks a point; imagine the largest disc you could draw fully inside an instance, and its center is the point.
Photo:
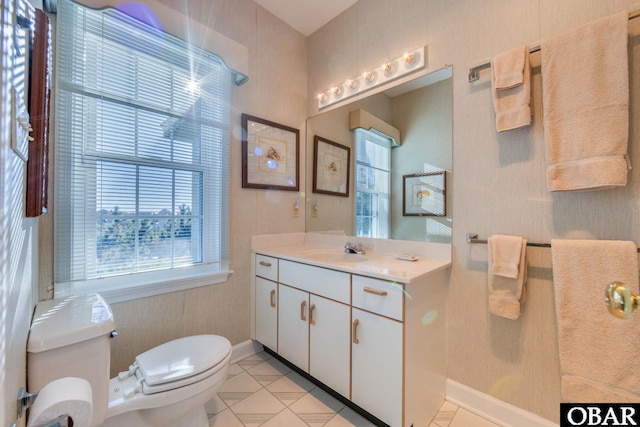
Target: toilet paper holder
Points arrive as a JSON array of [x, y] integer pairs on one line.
[[25, 400]]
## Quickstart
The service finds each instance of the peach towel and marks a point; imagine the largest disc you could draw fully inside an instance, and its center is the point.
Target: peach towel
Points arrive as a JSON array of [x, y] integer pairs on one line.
[[585, 94], [511, 89], [598, 352], [507, 275]]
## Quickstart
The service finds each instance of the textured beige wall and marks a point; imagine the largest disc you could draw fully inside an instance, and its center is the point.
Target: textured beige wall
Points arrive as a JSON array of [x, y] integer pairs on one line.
[[498, 184], [18, 242]]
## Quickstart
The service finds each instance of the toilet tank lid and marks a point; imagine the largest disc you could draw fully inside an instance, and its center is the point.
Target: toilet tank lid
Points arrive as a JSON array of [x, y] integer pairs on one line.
[[65, 321]]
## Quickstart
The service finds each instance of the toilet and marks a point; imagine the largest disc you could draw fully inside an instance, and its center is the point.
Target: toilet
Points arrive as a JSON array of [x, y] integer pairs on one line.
[[165, 386]]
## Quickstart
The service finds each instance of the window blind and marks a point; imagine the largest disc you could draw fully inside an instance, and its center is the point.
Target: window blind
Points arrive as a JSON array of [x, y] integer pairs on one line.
[[142, 148], [373, 175]]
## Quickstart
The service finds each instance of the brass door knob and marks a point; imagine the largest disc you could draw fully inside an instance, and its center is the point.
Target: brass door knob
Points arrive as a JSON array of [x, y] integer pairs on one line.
[[620, 301]]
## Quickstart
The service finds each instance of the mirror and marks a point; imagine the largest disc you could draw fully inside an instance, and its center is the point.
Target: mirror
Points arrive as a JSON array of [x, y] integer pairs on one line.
[[421, 109]]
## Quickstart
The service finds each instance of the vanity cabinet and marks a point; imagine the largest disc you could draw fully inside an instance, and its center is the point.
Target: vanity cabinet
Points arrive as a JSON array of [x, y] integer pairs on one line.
[[379, 343], [313, 324]]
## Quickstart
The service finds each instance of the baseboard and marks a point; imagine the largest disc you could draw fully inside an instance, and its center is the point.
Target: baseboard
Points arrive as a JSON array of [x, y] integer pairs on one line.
[[492, 409], [244, 350]]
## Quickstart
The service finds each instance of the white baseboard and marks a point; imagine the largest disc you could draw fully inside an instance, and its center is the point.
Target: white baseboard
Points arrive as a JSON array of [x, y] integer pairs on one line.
[[244, 350], [493, 409]]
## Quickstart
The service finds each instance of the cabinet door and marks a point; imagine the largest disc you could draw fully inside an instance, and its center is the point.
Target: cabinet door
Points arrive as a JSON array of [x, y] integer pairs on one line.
[[329, 343], [293, 326], [376, 365], [267, 313]]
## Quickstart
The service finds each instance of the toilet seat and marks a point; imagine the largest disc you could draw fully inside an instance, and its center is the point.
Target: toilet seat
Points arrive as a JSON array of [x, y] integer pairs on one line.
[[180, 362]]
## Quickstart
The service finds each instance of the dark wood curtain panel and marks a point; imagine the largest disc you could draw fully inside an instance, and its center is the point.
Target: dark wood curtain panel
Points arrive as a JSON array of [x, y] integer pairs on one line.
[[39, 99]]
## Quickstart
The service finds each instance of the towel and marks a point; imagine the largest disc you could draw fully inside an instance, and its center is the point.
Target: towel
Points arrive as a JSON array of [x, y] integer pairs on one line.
[[507, 275], [511, 88], [598, 352], [585, 94]]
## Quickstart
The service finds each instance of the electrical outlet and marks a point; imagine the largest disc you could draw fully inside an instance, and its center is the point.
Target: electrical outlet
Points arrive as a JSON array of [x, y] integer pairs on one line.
[[296, 212]]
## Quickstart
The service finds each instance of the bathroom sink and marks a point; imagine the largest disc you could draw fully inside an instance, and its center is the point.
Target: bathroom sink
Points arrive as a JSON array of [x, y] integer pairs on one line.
[[335, 256]]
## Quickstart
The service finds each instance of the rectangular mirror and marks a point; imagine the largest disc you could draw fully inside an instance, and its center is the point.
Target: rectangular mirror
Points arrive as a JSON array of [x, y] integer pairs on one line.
[[421, 110]]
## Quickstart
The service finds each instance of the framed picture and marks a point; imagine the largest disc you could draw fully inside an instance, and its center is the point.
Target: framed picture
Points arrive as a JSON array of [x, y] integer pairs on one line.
[[330, 167], [270, 158], [424, 194]]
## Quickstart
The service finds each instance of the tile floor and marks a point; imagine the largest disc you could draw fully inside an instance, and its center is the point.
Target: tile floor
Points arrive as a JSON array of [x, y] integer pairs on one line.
[[262, 391]]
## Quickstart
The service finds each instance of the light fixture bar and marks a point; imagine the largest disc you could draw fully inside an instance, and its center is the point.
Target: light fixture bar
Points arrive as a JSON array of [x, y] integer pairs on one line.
[[409, 62]]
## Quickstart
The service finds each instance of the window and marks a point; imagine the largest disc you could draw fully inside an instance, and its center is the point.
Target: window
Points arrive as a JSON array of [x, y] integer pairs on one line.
[[373, 175], [142, 152]]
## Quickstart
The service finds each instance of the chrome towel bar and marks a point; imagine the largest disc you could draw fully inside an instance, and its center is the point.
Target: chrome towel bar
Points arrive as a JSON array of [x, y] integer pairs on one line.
[[473, 238]]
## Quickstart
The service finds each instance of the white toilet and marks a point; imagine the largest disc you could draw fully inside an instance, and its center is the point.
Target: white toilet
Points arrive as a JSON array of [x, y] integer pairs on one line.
[[165, 386]]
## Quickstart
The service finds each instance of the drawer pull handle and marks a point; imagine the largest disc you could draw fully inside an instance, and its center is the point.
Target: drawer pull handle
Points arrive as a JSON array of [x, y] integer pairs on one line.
[[265, 263], [375, 291], [311, 308], [354, 332], [303, 315], [272, 299]]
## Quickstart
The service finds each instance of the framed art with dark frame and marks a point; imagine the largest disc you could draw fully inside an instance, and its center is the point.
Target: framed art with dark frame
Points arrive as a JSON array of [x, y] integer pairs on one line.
[[270, 155], [424, 194], [330, 167]]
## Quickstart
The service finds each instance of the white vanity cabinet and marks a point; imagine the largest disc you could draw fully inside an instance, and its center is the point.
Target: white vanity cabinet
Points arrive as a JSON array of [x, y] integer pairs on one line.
[[313, 323], [379, 342]]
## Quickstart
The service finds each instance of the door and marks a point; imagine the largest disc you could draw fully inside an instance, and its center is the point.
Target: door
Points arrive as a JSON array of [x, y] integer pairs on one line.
[[329, 343], [376, 365], [266, 313], [293, 326]]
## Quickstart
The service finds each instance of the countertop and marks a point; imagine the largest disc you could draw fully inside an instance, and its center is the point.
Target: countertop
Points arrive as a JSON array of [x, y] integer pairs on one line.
[[376, 264]]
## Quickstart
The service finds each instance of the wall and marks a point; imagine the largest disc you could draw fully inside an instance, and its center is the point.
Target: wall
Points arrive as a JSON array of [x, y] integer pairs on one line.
[[18, 240], [498, 183], [276, 91]]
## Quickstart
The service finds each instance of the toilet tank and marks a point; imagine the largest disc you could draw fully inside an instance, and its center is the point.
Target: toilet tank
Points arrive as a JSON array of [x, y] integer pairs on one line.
[[70, 337]]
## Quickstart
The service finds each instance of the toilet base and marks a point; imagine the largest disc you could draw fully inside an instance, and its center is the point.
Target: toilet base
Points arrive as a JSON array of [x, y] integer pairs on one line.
[[196, 419]]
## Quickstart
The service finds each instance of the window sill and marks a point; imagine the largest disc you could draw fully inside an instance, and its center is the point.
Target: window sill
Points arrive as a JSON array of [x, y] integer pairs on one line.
[[135, 286]]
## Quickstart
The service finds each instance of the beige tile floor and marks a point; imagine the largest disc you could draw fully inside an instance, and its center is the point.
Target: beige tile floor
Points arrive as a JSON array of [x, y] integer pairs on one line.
[[262, 391]]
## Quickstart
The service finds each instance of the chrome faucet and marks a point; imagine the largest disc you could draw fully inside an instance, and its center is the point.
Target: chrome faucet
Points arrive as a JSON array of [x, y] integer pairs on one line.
[[354, 249]]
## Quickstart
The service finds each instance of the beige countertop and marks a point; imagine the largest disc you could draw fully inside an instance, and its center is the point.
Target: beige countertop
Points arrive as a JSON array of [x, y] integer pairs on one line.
[[381, 265]]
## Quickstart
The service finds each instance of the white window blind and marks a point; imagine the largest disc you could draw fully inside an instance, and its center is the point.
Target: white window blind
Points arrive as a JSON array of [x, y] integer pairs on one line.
[[373, 175], [142, 150]]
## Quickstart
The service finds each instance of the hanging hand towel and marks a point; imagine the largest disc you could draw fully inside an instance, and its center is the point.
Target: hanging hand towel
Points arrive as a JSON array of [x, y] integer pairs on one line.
[[598, 352], [511, 88], [585, 94], [507, 275]]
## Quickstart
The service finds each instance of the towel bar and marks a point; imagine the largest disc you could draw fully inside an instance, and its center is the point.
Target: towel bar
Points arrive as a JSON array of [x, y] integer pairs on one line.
[[473, 238], [473, 71], [620, 301]]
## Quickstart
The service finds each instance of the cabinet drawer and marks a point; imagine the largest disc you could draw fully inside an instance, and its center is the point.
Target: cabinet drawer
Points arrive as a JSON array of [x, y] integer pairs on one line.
[[267, 267], [317, 280], [378, 296]]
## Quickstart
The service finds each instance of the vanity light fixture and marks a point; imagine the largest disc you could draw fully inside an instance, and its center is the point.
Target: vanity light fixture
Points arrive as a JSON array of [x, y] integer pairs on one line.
[[409, 62]]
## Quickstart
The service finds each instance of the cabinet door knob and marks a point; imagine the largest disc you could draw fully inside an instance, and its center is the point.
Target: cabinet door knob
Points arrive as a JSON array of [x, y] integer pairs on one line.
[[265, 263], [272, 298], [375, 291], [311, 308], [303, 315], [354, 331]]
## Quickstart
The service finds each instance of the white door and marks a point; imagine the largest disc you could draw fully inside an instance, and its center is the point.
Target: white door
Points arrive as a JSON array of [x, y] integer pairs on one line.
[[329, 343], [293, 326], [267, 313], [376, 365]]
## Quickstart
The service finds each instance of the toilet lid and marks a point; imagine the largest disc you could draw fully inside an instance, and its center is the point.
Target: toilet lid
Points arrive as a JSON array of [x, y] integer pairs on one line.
[[182, 358]]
